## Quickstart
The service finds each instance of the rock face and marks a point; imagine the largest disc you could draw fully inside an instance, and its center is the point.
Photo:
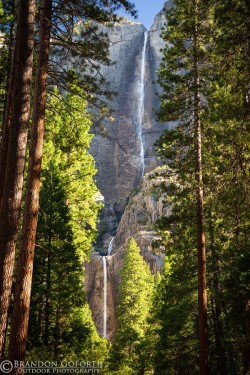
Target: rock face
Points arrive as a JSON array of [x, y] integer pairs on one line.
[[122, 156], [118, 153], [128, 143], [94, 286], [151, 128], [141, 213]]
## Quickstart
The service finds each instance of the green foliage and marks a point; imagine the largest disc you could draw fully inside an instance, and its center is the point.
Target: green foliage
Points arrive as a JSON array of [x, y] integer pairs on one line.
[[174, 318], [60, 319], [136, 287], [67, 143], [224, 64]]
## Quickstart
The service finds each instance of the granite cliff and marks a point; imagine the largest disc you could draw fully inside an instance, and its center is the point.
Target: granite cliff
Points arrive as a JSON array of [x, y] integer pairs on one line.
[[124, 154], [127, 147]]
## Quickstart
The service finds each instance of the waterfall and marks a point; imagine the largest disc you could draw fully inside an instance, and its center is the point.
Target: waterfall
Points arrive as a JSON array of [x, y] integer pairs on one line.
[[110, 245], [141, 93], [105, 277], [105, 287]]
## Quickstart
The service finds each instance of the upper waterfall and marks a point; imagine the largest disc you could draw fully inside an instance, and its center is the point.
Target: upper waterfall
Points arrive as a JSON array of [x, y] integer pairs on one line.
[[123, 148], [141, 94]]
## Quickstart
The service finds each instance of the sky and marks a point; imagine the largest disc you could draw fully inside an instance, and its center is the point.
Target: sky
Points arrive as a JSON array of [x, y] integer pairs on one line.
[[147, 10]]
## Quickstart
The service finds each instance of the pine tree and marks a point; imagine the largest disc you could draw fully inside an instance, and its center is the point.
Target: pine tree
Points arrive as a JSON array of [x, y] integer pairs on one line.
[[14, 139], [174, 317], [19, 324], [181, 75], [66, 230], [227, 125], [13, 180], [224, 114], [135, 292]]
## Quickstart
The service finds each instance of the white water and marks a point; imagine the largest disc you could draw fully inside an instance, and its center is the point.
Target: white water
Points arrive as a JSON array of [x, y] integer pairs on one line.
[[104, 262], [110, 245], [105, 287], [141, 94]]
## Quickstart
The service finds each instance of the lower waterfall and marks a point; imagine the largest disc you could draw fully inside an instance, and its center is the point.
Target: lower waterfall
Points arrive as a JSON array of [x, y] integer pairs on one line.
[[105, 277], [105, 287]]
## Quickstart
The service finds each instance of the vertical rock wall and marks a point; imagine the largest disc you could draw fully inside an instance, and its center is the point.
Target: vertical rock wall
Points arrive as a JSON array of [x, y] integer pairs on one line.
[[117, 149], [117, 153], [118, 160]]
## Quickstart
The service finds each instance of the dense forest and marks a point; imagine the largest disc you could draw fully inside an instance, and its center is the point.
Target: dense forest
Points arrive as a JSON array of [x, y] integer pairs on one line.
[[192, 317]]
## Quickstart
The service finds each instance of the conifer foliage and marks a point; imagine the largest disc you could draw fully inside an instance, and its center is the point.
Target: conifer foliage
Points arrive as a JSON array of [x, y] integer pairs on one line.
[[205, 79], [18, 34], [182, 75], [60, 321], [135, 290]]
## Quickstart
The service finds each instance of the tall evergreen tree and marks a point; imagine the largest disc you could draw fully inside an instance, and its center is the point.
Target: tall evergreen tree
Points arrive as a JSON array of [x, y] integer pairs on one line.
[[173, 320], [135, 290], [181, 75], [66, 230], [19, 324], [225, 122], [13, 180], [14, 145], [8, 18], [60, 321]]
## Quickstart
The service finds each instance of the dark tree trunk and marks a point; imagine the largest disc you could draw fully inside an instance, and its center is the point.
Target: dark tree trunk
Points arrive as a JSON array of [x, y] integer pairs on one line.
[[7, 111], [201, 244], [46, 336], [19, 327], [57, 332], [217, 308], [13, 182], [47, 300]]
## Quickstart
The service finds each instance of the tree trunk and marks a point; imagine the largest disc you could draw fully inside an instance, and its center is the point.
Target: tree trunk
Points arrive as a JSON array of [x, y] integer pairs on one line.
[[13, 183], [201, 244], [217, 309], [7, 110], [57, 332], [46, 336], [19, 327]]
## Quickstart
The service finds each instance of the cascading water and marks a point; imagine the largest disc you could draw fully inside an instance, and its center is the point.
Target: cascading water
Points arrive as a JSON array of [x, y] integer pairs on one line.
[[105, 287], [141, 93], [110, 246], [104, 262]]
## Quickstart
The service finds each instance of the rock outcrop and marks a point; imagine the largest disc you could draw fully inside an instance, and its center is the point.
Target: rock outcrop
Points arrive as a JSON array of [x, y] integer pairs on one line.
[[138, 220]]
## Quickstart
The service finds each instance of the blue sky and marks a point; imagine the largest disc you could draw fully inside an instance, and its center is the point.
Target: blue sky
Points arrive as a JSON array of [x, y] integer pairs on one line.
[[147, 9]]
